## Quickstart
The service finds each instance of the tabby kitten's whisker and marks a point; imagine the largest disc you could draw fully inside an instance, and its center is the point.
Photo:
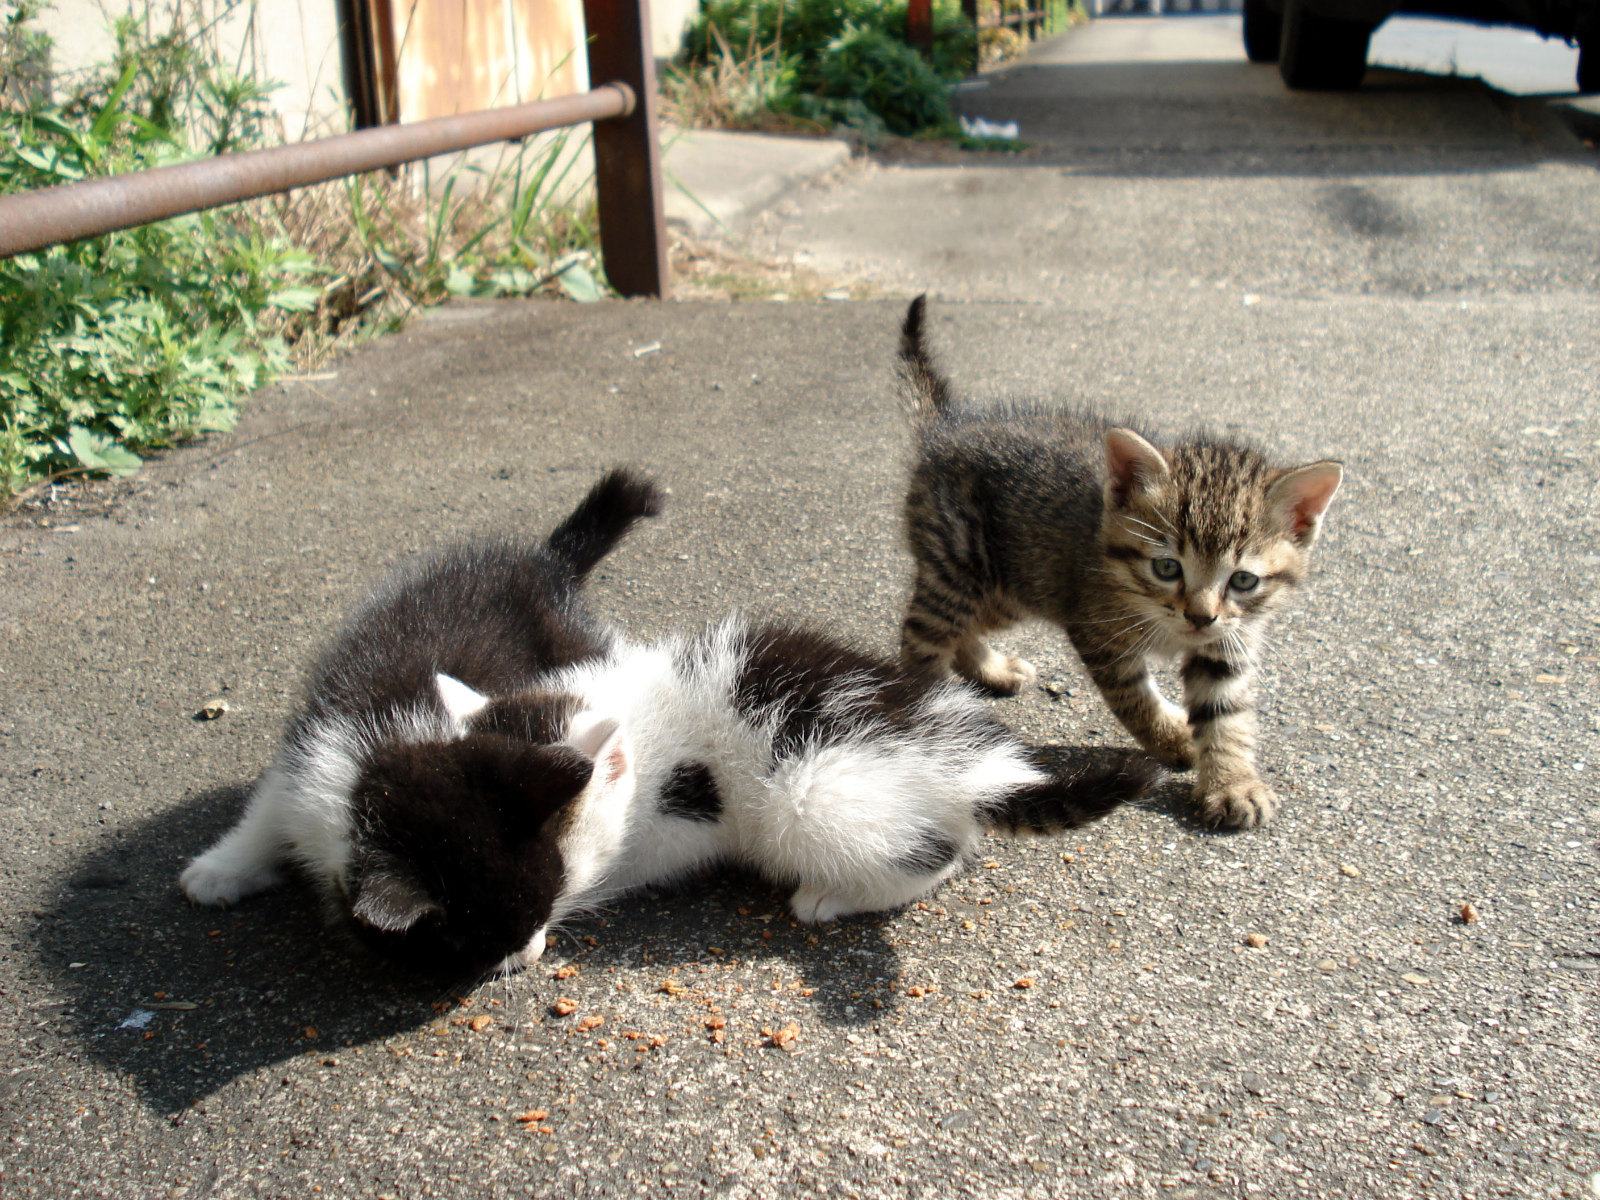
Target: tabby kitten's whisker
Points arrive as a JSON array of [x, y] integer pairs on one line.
[[1134, 552], [1164, 536]]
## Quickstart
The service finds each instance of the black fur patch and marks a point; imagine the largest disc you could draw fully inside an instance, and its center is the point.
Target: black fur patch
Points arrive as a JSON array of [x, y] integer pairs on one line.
[[538, 717], [599, 522], [1204, 714], [492, 614], [933, 852], [691, 793], [1076, 799], [1200, 667], [800, 677], [456, 862]]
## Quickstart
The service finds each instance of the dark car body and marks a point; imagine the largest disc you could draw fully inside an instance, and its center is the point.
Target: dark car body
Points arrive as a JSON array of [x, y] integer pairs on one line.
[[1322, 44]]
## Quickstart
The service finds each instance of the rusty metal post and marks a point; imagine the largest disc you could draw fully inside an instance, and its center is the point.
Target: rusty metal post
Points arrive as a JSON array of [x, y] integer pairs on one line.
[[919, 26], [627, 153]]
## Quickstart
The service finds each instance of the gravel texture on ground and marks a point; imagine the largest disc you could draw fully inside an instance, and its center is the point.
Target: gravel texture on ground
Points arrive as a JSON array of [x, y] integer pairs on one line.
[[1390, 992], [1299, 1009]]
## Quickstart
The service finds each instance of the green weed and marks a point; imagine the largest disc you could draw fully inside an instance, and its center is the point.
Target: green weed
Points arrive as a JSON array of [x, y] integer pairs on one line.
[[136, 340], [121, 344], [764, 64]]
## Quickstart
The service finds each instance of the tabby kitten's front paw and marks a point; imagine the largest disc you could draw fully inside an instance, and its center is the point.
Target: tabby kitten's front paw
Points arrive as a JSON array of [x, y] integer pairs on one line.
[[1243, 804], [1002, 674]]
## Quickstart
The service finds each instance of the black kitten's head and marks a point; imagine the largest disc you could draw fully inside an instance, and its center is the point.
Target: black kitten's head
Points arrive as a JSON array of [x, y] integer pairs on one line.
[[456, 861]]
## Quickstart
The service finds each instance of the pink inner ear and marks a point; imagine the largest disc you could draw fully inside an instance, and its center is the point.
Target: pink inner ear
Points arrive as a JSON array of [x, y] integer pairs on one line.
[[616, 762], [1305, 494], [1130, 462]]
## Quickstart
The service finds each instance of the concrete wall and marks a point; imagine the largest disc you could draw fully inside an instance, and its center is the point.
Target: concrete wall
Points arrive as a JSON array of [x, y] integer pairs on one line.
[[455, 55], [667, 21], [295, 42]]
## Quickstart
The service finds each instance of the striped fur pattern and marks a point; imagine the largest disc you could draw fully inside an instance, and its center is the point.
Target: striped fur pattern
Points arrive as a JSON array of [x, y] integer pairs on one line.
[[478, 760], [1136, 552]]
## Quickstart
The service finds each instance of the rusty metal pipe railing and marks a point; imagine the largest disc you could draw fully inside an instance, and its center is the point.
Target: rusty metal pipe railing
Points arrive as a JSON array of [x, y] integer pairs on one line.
[[48, 216]]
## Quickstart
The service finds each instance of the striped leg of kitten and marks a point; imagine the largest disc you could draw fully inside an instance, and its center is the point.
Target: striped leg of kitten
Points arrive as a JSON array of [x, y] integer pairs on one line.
[[942, 633], [1220, 695], [1159, 725]]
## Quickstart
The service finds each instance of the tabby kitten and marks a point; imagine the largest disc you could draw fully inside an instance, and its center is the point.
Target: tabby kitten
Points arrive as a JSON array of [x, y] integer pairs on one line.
[[1026, 510], [479, 759]]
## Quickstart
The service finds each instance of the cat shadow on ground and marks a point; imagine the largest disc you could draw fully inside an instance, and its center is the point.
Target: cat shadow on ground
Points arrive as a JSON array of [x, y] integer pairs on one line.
[[182, 999], [1170, 798]]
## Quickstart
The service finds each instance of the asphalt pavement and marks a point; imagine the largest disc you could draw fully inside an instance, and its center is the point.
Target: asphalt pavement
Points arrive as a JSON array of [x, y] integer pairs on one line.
[[1404, 279]]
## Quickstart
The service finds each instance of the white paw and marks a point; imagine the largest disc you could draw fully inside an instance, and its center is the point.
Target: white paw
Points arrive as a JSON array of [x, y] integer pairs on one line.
[[817, 908], [206, 881], [1005, 674]]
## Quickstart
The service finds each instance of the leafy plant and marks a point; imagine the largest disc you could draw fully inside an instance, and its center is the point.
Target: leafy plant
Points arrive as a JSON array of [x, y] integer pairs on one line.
[[24, 55], [136, 340], [515, 229], [890, 78], [763, 64], [751, 88], [825, 62]]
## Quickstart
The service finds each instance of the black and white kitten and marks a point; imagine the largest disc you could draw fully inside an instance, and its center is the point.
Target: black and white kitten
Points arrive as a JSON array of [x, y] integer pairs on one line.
[[477, 760]]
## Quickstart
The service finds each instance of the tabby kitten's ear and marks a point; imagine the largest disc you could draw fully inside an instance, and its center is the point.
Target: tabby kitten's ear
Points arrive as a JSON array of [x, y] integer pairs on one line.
[[1300, 497], [1132, 464]]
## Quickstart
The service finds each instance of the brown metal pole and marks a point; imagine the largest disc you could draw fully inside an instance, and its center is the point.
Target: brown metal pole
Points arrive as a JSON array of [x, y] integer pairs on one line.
[[47, 216], [627, 154], [919, 26], [969, 9], [355, 46], [387, 61]]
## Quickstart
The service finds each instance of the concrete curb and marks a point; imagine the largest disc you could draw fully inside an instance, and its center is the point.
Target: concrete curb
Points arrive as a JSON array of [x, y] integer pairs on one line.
[[716, 181]]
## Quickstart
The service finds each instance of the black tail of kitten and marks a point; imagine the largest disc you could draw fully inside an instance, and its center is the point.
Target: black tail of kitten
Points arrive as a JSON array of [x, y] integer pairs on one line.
[[611, 508], [1067, 801], [923, 389]]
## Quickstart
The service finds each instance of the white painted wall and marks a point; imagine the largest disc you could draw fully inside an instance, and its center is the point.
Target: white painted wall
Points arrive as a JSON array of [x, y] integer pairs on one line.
[[668, 19], [295, 42]]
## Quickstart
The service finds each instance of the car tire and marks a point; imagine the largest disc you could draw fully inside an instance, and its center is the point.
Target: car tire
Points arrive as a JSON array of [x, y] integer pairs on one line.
[[1588, 64], [1320, 53], [1263, 31]]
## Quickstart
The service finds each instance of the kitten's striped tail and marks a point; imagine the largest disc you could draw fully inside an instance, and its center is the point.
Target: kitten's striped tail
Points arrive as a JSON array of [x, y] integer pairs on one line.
[[923, 390], [599, 522], [1066, 801]]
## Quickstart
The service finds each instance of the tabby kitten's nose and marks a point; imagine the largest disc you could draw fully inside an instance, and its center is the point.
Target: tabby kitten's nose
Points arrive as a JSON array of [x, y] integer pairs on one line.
[[1201, 620]]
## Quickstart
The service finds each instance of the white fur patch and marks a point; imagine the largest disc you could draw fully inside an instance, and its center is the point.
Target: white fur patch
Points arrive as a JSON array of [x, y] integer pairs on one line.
[[299, 810], [460, 701]]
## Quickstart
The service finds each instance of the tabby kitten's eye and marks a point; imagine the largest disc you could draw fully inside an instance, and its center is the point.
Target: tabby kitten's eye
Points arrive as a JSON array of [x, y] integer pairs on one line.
[[1166, 568], [1243, 581]]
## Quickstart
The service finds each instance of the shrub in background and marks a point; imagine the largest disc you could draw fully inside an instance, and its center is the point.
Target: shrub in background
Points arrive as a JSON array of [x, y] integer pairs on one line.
[[139, 339], [832, 61]]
